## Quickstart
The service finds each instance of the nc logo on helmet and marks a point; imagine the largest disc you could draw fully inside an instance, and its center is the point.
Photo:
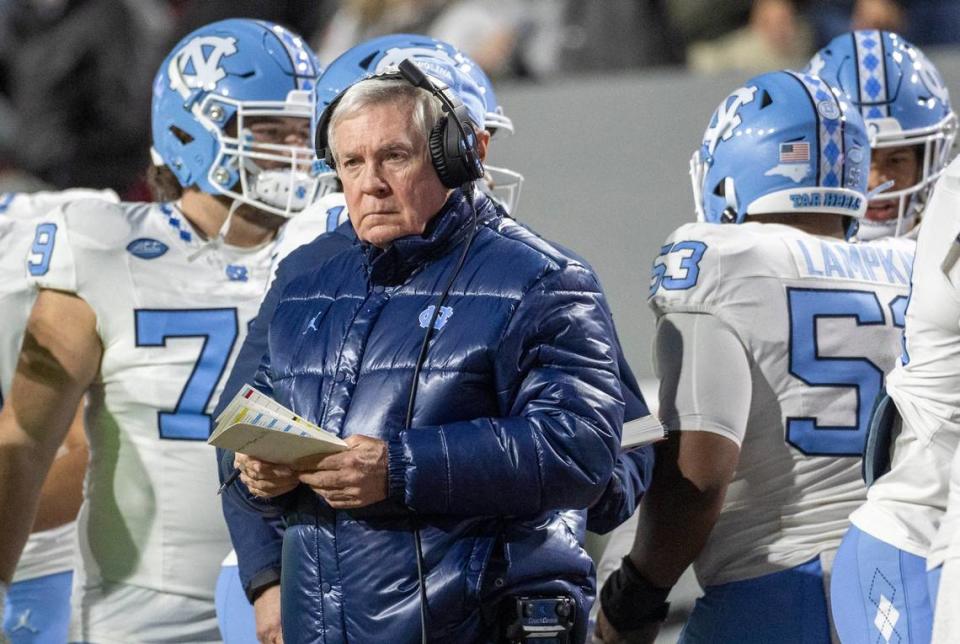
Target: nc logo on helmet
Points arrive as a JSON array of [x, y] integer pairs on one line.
[[932, 81], [197, 64], [422, 56], [727, 117]]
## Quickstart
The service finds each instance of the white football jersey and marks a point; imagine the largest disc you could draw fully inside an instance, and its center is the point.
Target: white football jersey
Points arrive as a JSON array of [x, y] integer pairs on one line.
[[170, 316], [819, 320], [323, 216], [51, 551], [946, 543], [904, 507]]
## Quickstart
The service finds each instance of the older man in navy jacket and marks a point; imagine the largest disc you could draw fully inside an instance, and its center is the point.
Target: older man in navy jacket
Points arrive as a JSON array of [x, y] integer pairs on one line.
[[516, 415]]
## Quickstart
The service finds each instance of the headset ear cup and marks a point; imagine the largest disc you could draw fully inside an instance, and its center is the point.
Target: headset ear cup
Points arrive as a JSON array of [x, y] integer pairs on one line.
[[438, 153], [459, 152]]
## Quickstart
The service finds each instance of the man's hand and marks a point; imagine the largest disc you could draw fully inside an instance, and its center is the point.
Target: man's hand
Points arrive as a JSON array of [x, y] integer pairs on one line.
[[265, 479], [266, 612], [608, 634], [353, 478]]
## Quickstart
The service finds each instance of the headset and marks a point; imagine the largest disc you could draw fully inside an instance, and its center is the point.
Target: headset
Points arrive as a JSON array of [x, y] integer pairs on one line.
[[453, 150]]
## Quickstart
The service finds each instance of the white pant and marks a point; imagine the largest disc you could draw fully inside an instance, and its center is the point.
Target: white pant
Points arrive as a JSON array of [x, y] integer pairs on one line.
[[946, 616], [124, 614]]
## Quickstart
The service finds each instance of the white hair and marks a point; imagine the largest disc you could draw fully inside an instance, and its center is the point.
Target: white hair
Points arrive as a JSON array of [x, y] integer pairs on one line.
[[427, 108]]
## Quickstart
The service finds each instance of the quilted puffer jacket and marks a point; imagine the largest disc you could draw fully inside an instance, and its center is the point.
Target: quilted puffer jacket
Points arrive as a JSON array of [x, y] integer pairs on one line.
[[518, 415]]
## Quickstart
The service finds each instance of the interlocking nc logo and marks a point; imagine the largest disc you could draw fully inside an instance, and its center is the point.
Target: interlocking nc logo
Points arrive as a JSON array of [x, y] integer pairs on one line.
[[424, 57], [197, 65], [931, 79], [728, 119], [817, 63], [442, 318]]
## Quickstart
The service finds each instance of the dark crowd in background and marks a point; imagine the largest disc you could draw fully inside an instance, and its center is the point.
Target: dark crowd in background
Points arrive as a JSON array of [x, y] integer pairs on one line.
[[74, 74]]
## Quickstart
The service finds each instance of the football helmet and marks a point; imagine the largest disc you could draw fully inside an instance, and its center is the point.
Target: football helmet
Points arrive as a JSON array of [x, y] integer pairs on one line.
[[227, 107], [782, 143], [441, 61], [903, 100]]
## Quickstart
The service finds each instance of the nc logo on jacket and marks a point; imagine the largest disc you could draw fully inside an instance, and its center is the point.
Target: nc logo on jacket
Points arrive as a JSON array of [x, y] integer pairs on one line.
[[446, 313]]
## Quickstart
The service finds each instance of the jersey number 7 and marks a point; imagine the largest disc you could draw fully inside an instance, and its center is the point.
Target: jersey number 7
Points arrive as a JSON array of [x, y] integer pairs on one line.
[[218, 328]]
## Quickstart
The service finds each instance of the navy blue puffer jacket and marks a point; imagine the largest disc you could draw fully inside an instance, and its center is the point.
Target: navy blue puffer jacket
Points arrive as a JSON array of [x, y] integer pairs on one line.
[[518, 415]]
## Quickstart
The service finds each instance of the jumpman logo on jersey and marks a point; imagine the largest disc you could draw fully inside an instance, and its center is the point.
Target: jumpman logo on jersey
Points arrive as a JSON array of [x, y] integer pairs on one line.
[[23, 623], [197, 65]]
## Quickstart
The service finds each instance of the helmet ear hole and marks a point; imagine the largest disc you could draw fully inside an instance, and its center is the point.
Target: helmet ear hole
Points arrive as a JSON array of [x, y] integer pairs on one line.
[[765, 99], [182, 136], [366, 62], [720, 189]]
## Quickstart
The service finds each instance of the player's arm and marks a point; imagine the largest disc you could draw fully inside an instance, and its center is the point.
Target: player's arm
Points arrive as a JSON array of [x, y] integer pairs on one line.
[[706, 409], [62, 491], [58, 361]]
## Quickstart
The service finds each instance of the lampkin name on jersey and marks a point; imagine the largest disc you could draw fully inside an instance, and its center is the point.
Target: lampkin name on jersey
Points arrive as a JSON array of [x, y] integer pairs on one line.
[[867, 262]]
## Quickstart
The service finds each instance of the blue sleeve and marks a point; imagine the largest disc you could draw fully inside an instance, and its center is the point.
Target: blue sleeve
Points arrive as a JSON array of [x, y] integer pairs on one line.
[[632, 472], [255, 527], [630, 480], [557, 442], [634, 405]]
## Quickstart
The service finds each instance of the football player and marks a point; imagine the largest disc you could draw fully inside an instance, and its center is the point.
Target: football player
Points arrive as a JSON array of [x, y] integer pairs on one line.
[[879, 587], [38, 605], [906, 107], [773, 337], [928, 393], [144, 305], [888, 570]]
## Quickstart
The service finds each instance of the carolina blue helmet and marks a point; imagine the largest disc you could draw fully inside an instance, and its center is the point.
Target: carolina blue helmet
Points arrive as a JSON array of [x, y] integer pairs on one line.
[[209, 95], [441, 61], [904, 102], [782, 143]]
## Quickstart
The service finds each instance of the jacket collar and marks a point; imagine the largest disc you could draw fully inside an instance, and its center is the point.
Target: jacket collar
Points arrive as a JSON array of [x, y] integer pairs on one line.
[[395, 263]]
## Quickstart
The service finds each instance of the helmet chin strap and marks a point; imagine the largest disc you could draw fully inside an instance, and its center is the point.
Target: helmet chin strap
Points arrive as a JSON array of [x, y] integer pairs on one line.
[[216, 241], [729, 215]]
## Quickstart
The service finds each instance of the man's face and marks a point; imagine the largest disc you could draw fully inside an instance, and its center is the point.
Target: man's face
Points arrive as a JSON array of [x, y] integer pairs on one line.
[[272, 131], [900, 165], [388, 180]]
